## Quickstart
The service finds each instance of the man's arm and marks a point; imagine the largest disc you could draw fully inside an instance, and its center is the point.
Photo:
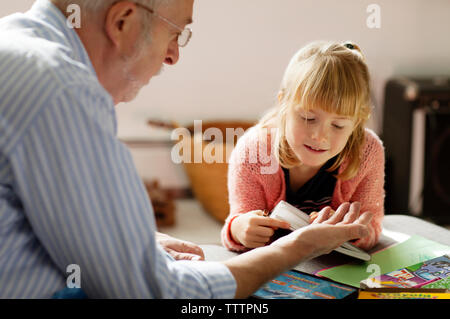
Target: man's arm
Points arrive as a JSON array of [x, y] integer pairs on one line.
[[256, 267], [88, 206]]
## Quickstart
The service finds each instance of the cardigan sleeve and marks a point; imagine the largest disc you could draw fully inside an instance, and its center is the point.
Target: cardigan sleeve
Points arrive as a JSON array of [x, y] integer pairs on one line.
[[370, 189], [245, 187]]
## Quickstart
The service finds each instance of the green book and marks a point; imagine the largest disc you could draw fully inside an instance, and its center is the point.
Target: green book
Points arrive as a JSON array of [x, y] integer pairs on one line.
[[414, 250]]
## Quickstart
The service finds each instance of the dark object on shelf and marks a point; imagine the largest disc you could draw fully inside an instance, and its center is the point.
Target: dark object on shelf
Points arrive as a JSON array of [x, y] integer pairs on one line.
[[162, 202], [416, 135]]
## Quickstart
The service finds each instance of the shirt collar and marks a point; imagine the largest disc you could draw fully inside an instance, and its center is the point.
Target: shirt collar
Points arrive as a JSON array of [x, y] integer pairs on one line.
[[46, 11]]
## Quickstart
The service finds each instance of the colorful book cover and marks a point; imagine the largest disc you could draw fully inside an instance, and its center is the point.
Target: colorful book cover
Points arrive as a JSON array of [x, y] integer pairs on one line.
[[439, 284], [297, 285], [376, 294], [418, 275]]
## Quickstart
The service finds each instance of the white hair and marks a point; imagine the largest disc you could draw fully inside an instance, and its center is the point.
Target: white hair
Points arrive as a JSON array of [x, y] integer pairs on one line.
[[95, 6], [90, 8]]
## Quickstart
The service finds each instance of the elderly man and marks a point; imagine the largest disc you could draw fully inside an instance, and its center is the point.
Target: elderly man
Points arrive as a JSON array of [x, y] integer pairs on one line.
[[69, 192]]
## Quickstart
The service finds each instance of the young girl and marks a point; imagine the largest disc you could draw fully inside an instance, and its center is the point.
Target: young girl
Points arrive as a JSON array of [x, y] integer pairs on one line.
[[316, 137]]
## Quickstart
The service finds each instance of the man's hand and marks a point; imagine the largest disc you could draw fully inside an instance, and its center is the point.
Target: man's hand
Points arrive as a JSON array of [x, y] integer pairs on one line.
[[328, 231], [254, 268], [254, 229], [345, 214], [180, 249]]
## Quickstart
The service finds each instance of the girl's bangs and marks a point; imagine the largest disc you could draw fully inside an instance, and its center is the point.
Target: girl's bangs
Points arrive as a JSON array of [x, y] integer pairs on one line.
[[333, 87]]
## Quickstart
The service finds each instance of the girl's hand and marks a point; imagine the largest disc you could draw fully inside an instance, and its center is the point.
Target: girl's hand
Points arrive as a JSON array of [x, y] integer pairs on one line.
[[254, 229]]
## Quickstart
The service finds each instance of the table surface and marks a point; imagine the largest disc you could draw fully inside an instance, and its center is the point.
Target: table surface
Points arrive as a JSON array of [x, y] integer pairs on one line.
[[395, 229]]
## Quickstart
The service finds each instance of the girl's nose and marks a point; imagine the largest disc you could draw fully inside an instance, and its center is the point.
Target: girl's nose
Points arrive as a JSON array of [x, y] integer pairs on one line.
[[320, 133]]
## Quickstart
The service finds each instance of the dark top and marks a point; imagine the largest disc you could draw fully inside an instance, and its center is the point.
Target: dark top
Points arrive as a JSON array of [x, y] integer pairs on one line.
[[316, 193]]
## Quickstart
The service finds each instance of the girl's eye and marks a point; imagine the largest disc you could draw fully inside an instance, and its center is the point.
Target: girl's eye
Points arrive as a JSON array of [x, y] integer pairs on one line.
[[338, 127], [308, 119]]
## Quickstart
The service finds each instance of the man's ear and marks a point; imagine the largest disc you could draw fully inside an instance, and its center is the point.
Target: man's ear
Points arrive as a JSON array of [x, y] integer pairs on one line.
[[119, 21]]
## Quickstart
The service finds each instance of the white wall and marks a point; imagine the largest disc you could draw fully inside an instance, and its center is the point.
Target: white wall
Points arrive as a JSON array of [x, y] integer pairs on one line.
[[234, 63], [9, 7]]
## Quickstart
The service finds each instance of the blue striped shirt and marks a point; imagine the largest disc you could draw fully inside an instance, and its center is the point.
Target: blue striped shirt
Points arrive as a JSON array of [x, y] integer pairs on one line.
[[69, 191]]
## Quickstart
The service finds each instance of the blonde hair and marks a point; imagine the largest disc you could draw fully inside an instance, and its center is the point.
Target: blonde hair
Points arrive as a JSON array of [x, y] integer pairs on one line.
[[333, 77]]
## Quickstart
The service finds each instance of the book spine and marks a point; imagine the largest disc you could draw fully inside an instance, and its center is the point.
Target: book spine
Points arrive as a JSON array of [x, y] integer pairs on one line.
[[426, 283]]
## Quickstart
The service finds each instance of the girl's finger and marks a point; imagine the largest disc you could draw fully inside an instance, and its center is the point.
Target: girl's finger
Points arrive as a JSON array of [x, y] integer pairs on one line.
[[274, 223], [263, 231], [257, 212], [313, 216]]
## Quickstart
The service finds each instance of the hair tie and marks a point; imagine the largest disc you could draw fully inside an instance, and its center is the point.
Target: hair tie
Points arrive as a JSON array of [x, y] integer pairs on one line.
[[349, 45]]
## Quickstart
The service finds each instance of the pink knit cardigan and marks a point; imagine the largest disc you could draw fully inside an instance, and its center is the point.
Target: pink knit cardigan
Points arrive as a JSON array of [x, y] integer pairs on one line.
[[249, 189]]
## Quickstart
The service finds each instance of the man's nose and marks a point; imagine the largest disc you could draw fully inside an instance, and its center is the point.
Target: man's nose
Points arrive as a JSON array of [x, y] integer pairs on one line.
[[173, 53]]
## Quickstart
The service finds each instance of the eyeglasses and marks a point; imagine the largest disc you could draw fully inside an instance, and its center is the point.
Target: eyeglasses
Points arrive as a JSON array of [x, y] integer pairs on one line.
[[185, 34]]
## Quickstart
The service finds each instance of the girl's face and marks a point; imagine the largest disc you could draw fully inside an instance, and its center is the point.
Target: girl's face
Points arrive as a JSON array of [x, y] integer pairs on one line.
[[316, 136]]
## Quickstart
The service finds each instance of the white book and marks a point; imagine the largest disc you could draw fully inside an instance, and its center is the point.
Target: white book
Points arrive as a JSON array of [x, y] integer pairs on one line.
[[298, 219]]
